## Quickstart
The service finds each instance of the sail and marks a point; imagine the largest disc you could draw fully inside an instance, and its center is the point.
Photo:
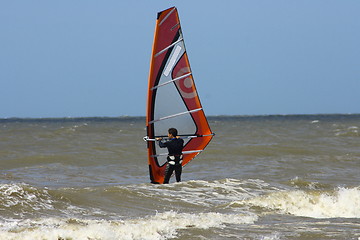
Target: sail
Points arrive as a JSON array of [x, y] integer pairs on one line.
[[172, 97]]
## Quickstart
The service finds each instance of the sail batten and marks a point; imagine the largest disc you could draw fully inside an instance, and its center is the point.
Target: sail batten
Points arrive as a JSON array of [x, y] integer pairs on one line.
[[166, 17], [172, 99], [170, 46], [184, 152], [175, 115], [173, 80]]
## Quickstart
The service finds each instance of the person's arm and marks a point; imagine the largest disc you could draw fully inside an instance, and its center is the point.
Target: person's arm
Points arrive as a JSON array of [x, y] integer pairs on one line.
[[161, 143]]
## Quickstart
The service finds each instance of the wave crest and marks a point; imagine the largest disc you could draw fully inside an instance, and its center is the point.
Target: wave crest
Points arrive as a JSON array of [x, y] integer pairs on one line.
[[341, 203]]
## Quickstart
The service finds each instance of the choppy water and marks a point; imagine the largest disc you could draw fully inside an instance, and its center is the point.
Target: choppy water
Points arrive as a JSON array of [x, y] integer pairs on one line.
[[263, 177]]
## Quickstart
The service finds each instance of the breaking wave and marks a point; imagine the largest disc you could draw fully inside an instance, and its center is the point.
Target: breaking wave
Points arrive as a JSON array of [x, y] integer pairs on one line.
[[341, 203], [160, 226]]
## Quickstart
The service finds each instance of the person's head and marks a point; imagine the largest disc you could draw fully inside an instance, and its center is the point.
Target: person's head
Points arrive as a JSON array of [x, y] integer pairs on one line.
[[173, 132]]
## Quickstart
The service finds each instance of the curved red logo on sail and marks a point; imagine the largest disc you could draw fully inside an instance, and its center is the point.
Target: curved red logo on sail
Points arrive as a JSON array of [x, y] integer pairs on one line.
[[186, 85]]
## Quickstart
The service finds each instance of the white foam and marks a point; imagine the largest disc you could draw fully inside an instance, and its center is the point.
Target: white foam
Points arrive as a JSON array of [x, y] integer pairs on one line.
[[24, 195], [160, 226], [342, 203], [349, 131], [223, 190]]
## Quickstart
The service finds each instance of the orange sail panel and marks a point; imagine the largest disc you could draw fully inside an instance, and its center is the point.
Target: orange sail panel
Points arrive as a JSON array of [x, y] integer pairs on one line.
[[172, 97]]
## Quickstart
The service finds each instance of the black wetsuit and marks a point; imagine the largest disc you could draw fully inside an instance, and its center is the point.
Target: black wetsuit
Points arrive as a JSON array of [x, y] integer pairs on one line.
[[175, 147]]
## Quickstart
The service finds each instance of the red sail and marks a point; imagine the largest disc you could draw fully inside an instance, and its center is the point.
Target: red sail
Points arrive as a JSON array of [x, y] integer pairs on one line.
[[172, 97]]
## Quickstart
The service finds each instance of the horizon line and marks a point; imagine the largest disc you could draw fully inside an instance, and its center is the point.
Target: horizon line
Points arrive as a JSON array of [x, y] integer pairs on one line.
[[208, 116]]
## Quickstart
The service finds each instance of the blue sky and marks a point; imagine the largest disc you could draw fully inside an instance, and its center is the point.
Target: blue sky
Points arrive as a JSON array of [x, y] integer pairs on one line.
[[91, 58]]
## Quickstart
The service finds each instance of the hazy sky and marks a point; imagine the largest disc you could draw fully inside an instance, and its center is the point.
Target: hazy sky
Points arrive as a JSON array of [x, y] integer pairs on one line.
[[91, 58]]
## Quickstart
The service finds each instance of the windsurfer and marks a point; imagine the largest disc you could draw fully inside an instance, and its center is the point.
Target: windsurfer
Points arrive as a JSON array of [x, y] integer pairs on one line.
[[175, 146]]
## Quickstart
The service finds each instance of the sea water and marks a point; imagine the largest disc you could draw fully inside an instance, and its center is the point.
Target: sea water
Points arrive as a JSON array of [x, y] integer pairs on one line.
[[262, 177]]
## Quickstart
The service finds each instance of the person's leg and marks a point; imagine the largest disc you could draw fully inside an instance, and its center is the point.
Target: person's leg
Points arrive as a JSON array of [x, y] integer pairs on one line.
[[178, 170], [169, 170]]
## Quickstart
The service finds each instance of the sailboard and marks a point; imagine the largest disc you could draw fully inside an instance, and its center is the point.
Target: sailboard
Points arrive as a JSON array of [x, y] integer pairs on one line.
[[172, 100]]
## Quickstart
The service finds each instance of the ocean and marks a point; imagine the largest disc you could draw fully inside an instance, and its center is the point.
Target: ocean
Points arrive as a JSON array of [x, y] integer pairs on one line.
[[261, 177]]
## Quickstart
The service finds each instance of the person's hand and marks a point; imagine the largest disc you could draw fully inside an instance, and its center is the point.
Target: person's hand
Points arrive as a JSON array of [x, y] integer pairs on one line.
[[158, 138]]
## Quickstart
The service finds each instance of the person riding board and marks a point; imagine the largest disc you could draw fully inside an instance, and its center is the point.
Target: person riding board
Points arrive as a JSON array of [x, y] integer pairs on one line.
[[175, 146]]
